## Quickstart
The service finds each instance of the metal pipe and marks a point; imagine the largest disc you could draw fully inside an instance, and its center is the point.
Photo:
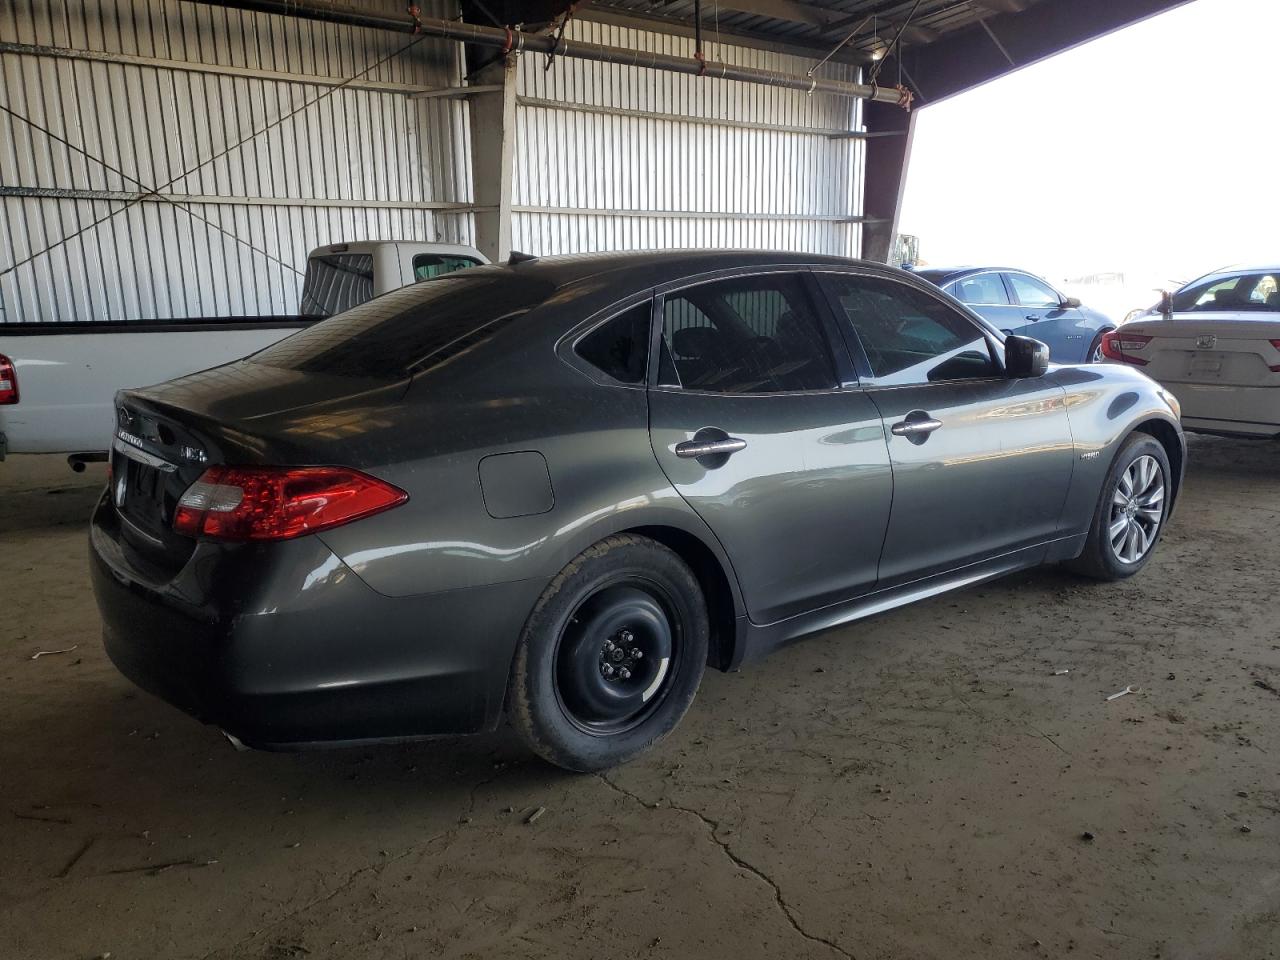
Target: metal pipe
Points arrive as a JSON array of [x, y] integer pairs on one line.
[[508, 40]]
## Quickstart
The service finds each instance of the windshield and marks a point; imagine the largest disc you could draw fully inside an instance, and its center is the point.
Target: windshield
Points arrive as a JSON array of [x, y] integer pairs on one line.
[[1237, 293], [411, 329]]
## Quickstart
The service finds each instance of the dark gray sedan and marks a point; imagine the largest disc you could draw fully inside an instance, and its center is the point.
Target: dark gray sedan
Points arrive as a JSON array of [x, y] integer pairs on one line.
[[557, 489]]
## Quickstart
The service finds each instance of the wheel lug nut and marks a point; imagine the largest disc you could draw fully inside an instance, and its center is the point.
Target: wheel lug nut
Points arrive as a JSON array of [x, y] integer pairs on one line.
[[636, 653], [627, 636], [607, 670], [624, 674]]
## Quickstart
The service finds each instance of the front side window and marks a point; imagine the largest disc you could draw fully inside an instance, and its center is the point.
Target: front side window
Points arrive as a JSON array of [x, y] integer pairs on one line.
[[620, 347], [1246, 291], [910, 337], [1031, 292], [985, 289], [745, 335], [428, 266]]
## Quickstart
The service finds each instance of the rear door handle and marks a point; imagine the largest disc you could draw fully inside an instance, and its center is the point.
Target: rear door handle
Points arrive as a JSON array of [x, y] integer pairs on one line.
[[915, 428], [692, 449]]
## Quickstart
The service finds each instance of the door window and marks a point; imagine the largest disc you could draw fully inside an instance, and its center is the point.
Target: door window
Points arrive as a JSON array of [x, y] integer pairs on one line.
[[985, 289], [745, 335], [1031, 292], [910, 337]]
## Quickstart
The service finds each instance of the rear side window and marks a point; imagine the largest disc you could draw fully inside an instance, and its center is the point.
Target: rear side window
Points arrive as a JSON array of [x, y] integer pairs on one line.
[[620, 347], [428, 266], [910, 337], [745, 335], [986, 289], [336, 282], [411, 329]]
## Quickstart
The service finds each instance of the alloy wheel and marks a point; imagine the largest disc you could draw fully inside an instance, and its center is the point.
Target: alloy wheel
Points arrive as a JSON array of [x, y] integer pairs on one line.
[[1137, 509]]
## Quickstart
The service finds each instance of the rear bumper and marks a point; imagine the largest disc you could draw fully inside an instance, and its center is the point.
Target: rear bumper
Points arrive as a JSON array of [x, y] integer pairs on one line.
[[1241, 411], [282, 645]]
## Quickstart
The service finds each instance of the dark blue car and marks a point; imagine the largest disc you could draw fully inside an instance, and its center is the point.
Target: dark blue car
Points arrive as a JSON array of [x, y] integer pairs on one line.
[[1017, 302]]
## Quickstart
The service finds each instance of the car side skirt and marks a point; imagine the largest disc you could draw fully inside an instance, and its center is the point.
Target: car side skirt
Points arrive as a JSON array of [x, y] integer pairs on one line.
[[756, 641]]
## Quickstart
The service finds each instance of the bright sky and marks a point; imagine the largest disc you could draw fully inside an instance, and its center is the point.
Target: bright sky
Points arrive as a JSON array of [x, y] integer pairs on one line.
[[1154, 151]]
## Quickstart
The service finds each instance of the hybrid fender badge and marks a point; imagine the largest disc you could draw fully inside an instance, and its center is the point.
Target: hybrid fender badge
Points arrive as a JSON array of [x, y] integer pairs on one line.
[[1091, 455]]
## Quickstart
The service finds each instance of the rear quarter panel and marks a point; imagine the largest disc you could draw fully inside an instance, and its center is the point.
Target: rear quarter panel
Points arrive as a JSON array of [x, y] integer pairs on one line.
[[594, 438]]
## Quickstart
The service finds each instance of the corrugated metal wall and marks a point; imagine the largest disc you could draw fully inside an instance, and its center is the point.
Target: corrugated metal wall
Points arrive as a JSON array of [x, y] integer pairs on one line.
[[167, 159], [257, 169], [696, 175]]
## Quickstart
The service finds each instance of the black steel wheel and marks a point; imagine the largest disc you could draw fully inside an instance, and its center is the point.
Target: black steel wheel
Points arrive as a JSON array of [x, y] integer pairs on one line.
[[611, 657]]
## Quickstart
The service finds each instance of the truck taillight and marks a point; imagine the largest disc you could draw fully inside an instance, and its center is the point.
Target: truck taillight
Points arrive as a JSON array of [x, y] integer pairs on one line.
[[8, 381], [1118, 345], [279, 503]]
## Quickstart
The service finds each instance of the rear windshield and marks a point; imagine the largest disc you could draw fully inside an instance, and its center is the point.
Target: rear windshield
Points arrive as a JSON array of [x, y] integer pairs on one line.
[[1244, 292], [411, 329], [933, 276], [336, 282]]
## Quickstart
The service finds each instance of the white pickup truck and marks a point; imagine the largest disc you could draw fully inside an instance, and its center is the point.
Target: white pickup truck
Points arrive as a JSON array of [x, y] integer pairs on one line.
[[58, 380]]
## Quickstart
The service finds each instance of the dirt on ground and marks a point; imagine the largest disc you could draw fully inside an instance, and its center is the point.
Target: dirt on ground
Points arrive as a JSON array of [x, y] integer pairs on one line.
[[926, 784]]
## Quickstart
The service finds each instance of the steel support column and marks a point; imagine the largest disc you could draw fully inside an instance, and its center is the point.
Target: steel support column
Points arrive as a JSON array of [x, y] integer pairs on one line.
[[888, 152], [493, 134]]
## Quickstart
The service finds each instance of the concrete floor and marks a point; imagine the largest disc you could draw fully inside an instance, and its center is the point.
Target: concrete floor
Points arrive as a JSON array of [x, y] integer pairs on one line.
[[914, 786]]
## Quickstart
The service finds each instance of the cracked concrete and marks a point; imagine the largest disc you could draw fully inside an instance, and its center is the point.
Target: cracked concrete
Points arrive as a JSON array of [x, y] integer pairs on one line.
[[915, 786], [712, 828]]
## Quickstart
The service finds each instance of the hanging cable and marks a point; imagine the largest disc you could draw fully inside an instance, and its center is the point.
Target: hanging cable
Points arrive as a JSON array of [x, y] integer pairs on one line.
[[879, 65], [834, 50], [559, 42]]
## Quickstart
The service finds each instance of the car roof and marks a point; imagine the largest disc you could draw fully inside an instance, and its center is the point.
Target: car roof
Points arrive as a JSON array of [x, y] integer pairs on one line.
[[1239, 268], [946, 274], [652, 267]]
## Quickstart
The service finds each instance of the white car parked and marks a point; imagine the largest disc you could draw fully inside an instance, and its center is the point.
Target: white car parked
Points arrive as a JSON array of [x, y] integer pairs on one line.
[[1215, 345]]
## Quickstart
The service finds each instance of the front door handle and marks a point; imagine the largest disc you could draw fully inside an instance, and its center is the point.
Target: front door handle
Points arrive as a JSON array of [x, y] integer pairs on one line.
[[1033, 316], [693, 449], [915, 428]]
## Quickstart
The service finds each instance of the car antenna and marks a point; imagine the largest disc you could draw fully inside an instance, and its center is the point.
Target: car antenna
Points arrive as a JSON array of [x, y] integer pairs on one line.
[[515, 256]]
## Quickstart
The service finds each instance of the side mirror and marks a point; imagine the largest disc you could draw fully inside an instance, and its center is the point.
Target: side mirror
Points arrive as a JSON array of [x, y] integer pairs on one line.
[[1025, 357], [1070, 303]]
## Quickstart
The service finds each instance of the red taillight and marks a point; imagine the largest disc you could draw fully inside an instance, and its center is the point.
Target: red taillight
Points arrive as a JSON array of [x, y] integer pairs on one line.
[[1118, 345], [278, 503], [1275, 367], [8, 381]]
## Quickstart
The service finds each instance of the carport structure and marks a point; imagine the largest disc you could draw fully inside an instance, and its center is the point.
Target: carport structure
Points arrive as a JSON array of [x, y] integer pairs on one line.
[[178, 158]]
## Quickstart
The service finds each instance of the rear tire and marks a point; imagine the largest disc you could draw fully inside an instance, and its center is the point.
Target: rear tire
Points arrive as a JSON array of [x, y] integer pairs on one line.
[[611, 656], [1129, 517]]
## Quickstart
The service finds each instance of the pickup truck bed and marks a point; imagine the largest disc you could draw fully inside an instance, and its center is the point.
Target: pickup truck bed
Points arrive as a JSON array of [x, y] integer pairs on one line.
[[68, 373]]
